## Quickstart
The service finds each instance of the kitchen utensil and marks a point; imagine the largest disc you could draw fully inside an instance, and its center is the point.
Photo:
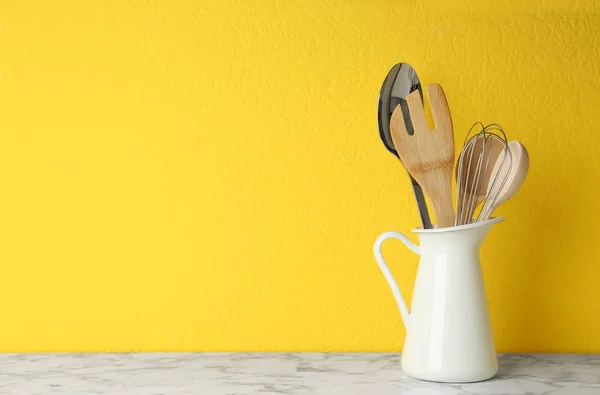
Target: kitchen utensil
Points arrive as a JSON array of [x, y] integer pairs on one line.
[[474, 169], [448, 333], [428, 155], [401, 81], [514, 171], [398, 84]]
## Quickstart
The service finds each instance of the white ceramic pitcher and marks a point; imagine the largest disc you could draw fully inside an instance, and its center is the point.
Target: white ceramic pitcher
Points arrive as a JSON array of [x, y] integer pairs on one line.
[[448, 332]]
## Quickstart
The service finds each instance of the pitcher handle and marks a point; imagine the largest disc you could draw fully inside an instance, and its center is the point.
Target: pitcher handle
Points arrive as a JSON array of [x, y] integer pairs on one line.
[[386, 270]]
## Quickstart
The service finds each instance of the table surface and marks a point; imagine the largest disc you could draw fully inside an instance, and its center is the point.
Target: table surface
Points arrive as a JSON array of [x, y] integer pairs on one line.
[[281, 373]]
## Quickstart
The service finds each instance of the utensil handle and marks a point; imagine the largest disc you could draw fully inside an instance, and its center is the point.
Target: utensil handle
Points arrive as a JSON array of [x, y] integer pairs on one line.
[[386, 270], [421, 205], [442, 202]]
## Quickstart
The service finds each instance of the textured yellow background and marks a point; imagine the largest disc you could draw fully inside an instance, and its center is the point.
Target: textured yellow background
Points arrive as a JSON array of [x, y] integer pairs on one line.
[[208, 175]]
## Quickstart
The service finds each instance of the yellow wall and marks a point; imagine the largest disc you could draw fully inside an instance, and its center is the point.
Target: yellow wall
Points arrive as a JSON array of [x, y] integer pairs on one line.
[[208, 175]]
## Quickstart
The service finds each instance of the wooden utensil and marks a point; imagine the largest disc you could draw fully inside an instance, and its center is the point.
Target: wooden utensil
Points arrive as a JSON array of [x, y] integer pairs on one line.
[[513, 172], [428, 155], [474, 169]]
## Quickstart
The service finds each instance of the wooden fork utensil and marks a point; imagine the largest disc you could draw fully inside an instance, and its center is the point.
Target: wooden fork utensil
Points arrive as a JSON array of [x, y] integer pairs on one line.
[[428, 155]]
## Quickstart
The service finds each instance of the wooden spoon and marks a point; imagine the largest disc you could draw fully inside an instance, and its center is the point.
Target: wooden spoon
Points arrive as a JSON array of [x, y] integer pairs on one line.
[[428, 155], [475, 165], [517, 166]]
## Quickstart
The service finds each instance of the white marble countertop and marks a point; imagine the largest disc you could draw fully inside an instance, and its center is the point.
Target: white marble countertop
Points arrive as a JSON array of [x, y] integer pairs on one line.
[[280, 373]]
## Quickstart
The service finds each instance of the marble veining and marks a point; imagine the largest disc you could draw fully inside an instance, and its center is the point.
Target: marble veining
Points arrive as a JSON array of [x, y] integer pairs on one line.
[[281, 373]]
